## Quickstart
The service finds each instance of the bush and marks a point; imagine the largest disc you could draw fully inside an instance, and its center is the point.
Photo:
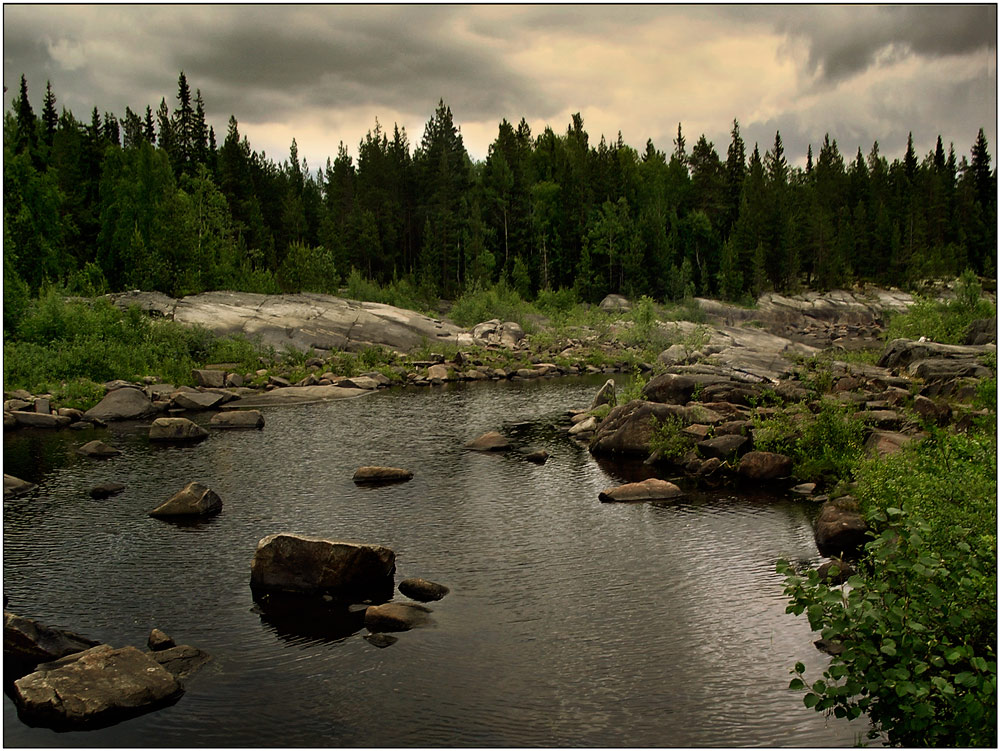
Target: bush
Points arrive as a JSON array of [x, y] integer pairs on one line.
[[306, 269], [943, 322], [668, 440], [482, 304]]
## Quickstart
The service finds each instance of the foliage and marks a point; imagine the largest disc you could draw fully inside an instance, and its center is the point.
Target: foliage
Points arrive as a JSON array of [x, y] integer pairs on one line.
[[482, 304], [943, 322], [668, 439], [633, 388]]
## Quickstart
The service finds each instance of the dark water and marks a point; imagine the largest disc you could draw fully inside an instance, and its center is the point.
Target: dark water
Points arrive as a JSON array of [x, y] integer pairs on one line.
[[570, 622]]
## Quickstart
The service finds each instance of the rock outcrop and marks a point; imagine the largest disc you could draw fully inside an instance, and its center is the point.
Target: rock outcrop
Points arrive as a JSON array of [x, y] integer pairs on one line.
[[303, 321], [312, 566]]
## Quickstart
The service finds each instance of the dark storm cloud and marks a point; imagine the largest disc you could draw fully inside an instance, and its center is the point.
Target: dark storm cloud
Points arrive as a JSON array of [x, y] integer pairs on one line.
[[847, 40]]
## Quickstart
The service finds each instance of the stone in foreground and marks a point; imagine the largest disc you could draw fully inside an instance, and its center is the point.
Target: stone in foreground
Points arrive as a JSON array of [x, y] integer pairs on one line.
[[30, 642], [240, 419], [176, 429], [492, 441], [840, 530], [299, 565], [395, 616], [15, 486], [158, 640], [422, 590], [194, 499], [96, 687], [647, 490], [381, 475]]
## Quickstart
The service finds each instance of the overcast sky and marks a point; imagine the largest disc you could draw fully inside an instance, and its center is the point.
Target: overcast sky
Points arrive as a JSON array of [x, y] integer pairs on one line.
[[324, 73]]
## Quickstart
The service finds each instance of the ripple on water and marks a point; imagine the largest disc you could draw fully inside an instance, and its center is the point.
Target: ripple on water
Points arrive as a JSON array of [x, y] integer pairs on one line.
[[570, 622]]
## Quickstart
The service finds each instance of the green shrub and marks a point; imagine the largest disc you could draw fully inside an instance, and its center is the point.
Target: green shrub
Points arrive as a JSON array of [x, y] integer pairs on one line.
[[482, 304], [943, 322], [306, 269], [668, 440], [558, 301]]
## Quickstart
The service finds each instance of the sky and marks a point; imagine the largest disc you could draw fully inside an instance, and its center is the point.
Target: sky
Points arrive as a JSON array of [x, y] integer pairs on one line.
[[322, 74]]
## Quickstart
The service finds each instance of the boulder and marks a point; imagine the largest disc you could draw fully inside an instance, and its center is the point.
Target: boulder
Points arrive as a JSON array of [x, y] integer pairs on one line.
[[96, 687], [194, 499], [647, 490], [721, 447], [628, 428], [176, 429], [196, 400], [606, 395], [365, 383], [422, 590], [215, 379], [313, 566], [158, 640], [396, 616], [123, 404], [106, 490], [29, 642], [901, 353], [885, 442], [764, 465], [537, 457], [98, 450], [840, 531], [931, 411], [845, 571], [587, 425], [615, 304], [181, 661], [933, 369], [381, 475], [982, 331], [439, 372], [238, 419], [491, 441], [14, 486], [37, 420]]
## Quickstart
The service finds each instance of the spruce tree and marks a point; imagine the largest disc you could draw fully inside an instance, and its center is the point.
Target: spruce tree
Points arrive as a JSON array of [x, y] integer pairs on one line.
[[50, 118]]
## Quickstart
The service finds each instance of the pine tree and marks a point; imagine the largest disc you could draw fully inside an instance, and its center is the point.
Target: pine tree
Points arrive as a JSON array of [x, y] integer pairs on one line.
[[50, 118], [149, 131], [26, 135]]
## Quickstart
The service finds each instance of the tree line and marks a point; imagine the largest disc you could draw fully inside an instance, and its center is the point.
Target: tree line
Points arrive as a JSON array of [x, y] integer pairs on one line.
[[153, 201]]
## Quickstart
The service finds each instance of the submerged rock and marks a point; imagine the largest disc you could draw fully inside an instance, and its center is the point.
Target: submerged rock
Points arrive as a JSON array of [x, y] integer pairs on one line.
[[96, 687], [313, 566], [491, 441], [537, 457], [106, 490], [181, 661], [396, 616], [381, 640], [381, 475], [98, 450], [238, 419]]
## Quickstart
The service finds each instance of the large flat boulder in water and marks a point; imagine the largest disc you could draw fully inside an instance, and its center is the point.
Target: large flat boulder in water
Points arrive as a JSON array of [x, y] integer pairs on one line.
[[123, 404], [30, 642], [313, 566], [96, 687]]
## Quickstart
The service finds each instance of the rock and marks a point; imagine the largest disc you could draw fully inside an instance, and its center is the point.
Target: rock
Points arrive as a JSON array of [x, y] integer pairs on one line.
[[14, 486], [180, 661], [934, 369], [300, 565], [439, 372], [381, 640], [98, 450], [606, 395], [42, 406], [35, 420], [176, 429], [830, 646], [845, 572], [930, 411], [297, 395], [764, 465], [106, 490], [29, 642], [537, 457], [238, 419], [722, 447], [123, 404], [491, 441], [885, 442], [381, 475], [395, 616], [196, 400], [805, 488], [628, 428], [365, 383], [211, 378], [840, 530], [982, 331], [584, 426], [98, 686], [194, 499], [647, 490], [158, 640], [615, 304], [670, 388], [901, 353], [422, 590], [675, 354]]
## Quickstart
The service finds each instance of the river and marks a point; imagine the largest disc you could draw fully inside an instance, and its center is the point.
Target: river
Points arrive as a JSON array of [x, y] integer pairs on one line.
[[569, 623]]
